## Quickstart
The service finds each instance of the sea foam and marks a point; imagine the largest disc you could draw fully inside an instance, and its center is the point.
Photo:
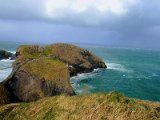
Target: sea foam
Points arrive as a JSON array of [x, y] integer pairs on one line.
[[83, 88], [13, 52], [117, 67], [5, 68]]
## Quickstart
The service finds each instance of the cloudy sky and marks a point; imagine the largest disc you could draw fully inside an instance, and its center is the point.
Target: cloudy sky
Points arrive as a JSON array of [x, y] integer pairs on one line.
[[123, 23]]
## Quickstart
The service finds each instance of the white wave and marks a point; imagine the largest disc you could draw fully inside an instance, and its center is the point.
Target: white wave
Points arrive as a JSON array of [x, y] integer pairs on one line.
[[96, 70], [5, 68], [83, 76], [13, 52], [5, 73], [82, 89], [7, 60], [117, 67]]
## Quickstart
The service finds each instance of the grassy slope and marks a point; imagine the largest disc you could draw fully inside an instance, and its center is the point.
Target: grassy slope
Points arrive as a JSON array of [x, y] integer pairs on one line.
[[98, 106], [47, 68]]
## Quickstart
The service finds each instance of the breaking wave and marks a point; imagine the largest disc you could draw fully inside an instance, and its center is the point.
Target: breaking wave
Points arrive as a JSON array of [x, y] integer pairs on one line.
[[117, 67], [5, 68]]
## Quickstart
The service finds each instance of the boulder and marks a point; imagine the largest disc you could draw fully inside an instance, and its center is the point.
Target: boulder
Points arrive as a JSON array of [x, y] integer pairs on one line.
[[6, 55]]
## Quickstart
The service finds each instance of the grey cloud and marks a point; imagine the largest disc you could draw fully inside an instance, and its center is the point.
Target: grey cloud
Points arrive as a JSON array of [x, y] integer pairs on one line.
[[21, 10], [27, 20]]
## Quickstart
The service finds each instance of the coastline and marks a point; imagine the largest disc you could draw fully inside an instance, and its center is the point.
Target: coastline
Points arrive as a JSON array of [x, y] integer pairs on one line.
[[119, 71], [99, 105]]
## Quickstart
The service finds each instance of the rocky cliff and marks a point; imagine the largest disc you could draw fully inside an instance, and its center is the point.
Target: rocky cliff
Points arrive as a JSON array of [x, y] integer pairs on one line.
[[45, 71]]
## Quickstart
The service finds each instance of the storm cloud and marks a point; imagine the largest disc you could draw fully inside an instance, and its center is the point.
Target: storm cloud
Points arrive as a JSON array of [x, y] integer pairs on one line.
[[127, 23]]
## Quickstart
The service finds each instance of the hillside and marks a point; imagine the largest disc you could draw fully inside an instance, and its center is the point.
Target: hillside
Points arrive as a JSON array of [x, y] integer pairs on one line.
[[98, 106]]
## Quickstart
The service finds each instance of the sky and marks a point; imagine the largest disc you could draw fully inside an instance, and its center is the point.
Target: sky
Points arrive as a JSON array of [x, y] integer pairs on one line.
[[120, 23]]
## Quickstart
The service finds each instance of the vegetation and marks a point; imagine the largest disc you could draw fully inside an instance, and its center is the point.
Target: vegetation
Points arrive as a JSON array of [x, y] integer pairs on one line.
[[98, 106], [45, 73], [4, 95], [71, 53], [32, 51], [65, 52], [78, 59], [47, 68]]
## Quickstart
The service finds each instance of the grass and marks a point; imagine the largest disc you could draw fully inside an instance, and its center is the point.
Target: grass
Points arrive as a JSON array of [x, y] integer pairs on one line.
[[47, 68], [72, 54], [3, 95], [97, 106], [53, 74], [32, 51]]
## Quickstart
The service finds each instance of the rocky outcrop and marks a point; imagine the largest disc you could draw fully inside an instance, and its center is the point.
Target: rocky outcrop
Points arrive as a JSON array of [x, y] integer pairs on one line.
[[6, 55], [78, 59], [39, 78], [45, 71]]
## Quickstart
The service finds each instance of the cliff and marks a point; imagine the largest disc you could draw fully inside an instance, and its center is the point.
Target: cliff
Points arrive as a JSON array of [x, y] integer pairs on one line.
[[45, 71]]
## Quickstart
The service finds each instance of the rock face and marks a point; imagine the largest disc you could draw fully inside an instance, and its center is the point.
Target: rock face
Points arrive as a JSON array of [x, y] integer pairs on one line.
[[4, 95], [45, 71], [40, 78], [6, 55]]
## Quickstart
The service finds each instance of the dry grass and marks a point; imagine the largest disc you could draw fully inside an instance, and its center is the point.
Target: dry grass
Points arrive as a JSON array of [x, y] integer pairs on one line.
[[98, 106]]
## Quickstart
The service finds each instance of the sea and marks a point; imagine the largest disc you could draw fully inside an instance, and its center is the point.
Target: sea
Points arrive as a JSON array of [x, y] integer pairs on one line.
[[133, 72]]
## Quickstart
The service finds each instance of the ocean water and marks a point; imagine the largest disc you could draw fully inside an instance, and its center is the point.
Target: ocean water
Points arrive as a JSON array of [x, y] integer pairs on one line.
[[134, 72], [6, 64]]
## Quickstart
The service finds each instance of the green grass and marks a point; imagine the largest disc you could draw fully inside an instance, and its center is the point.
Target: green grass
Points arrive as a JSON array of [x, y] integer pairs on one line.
[[97, 106], [47, 68], [32, 51]]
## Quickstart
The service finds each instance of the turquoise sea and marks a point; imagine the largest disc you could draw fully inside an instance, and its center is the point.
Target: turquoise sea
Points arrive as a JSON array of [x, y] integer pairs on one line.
[[134, 72]]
